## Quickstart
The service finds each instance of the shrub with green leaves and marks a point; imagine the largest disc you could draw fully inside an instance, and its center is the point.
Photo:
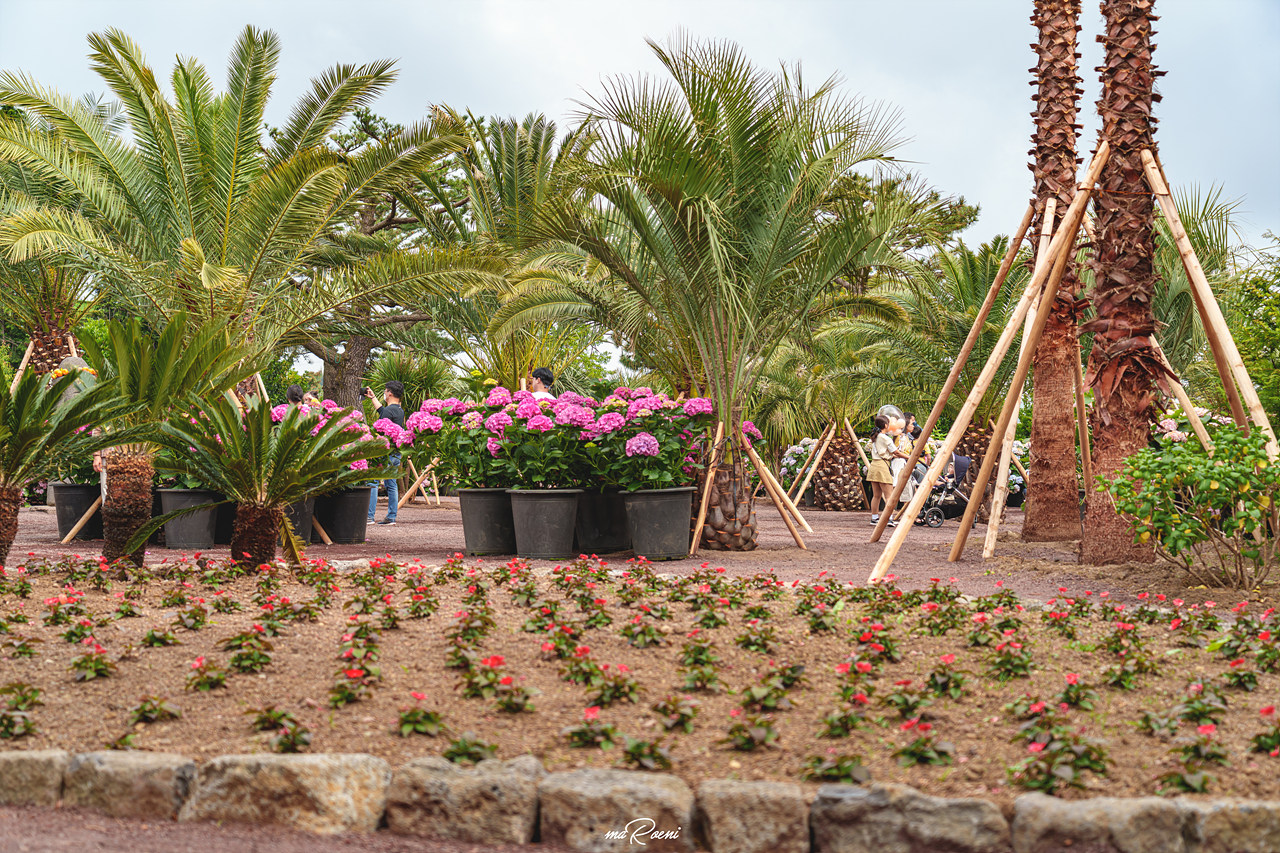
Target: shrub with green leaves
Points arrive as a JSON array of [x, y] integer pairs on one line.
[[1214, 515]]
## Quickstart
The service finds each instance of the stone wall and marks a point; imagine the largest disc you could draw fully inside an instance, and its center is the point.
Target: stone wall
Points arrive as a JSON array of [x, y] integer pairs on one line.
[[517, 802]]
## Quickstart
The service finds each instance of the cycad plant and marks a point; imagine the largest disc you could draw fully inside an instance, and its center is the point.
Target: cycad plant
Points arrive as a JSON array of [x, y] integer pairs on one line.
[[263, 467], [718, 212], [41, 423], [148, 373]]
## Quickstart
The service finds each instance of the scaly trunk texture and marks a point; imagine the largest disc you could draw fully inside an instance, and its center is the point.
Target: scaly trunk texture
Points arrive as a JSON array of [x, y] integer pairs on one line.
[[1123, 368], [731, 517], [49, 350], [1053, 508], [837, 484], [254, 536], [10, 500], [974, 445], [128, 504]]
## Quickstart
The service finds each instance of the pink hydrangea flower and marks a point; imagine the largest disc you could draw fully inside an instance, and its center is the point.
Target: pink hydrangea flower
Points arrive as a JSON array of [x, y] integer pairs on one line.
[[527, 409], [424, 422], [698, 406], [498, 396], [431, 406], [750, 429], [540, 423], [642, 444], [472, 420], [495, 446], [571, 414], [610, 422], [360, 465], [522, 395], [498, 422], [278, 412]]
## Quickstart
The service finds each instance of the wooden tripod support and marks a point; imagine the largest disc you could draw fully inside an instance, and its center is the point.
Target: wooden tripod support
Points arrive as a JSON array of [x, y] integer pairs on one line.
[[785, 508], [713, 460], [793, 493], [950, 385], [1063, 242], [84, 519]]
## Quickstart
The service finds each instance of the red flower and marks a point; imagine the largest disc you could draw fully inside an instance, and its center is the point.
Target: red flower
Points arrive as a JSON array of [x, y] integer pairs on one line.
[[1264, 636], [198, 662], [860, 698], [1072, 678], [842, 668], [948, 659], [902, 683], [1238, 662], [592, 713], [1267, 711], [909, 724], [548, 647], [1035, 747], [416, 695], [493, 661], [863, 666], [353, 673], [924, 727], [506, 679], [1207, 729], [1037, 708]]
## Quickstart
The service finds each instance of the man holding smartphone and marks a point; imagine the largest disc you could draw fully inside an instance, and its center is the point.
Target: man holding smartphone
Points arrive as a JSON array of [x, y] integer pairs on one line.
[[392, 411]]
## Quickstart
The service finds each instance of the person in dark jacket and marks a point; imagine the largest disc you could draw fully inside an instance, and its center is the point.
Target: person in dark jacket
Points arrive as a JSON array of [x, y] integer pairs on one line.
[[392, 411]]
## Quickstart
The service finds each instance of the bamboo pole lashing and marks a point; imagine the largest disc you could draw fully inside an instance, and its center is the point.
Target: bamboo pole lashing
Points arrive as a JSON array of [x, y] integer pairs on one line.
[[813, 450], [713, 459], [1082, 419], [857, 445], [1070, 226], [1059, 244], [412, 490], [1006, 445], [954, 376], [319, 528], [84, 519], [818, 461], [774, 491], [1215, 324], [22, 366]]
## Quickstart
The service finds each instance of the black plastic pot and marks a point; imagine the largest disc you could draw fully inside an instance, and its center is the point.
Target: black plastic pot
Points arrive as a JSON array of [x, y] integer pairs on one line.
[[602, 523], [193, 531], [487, 526], [1015, 499], [544, 521], [659, 522], [344, 515], [225, 524], [300, 515], [71, 501]]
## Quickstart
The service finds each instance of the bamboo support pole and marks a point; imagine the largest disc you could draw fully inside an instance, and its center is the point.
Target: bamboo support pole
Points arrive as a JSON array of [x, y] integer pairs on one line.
[[1070, 226], [954, 376], [1006, 444], [713, 459], [818, 461], [84, 519], [775, 492], [1230, 366], [1082, 421], [417, 484], [791, 493], [22, 366], [857, 445], [71, 346], [1180, 393], [1215, 327], [788, 505], [319, 528], [1063, 241], [435, 485]]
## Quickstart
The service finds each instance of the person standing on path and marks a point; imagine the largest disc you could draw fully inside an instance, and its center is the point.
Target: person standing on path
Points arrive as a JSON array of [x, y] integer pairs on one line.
[[878, 473], [393, 412]]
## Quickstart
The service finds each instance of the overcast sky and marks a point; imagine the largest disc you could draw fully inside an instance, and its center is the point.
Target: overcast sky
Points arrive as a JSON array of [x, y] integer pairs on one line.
[[956, 69]]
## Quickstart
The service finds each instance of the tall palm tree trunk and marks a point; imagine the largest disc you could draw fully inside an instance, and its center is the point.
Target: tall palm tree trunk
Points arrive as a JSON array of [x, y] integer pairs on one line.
[[130, 470], [731, 515], [49, 348], [1053, 510], [1123, 368], [837, 484], [254, 536], [10, 500]]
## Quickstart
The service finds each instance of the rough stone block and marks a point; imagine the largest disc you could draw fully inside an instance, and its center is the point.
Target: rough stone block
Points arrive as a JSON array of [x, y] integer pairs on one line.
[[1231, 826], [327, 793], [601, 811], [129, 784], [753, 817], [1044, 824], [898, 819], [495, 802], [32, 777]]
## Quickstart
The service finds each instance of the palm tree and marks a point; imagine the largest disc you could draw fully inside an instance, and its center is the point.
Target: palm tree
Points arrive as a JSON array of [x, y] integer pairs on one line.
[[195, 211], [147, 373], [716, 210], [42, 422], [1054, 510], [264, 467], [1123, 368]]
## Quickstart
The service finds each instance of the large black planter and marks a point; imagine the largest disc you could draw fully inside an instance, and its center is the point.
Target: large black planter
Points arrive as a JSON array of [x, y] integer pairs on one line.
[[544, 520], [659, 522], [1015, 499], [300, 515], [225, 525], [71, 501], [602, 523], [193, 531], [344, 515], [487, 526]]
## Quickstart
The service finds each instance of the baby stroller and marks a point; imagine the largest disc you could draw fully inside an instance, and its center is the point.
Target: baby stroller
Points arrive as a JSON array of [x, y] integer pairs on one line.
[[946, 500]]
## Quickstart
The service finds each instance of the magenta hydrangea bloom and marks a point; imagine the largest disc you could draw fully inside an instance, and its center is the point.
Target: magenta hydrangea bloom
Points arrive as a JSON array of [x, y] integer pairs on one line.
[[329, 405], [573, 415], [622, 392], [590, 432], [423, 422], [498, 396], [611, 422], [278, 412], [522, 395], [698, 406], [576, 400], [642, 406], [360, 465], [394, 433], [642, 444], [750, 429], [472, 420], [454, 406], [495, 446], [498, 422], [528, 409], [540, 423], [431, 406]]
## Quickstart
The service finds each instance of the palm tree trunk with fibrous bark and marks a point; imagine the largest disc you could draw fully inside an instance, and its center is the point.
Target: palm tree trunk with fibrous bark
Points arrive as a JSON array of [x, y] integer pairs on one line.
[[10, 501], [1053, 505], [731, 515], [48, 351], [130, 471], [1123, 367], [254, 536]]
